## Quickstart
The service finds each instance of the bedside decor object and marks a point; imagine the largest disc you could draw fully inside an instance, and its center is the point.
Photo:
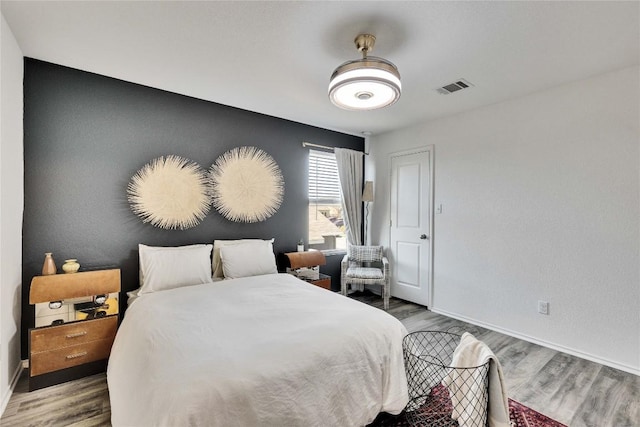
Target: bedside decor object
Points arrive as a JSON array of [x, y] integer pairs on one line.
[[49, 265], [170, 192], [70, 266], [365, 84], [246, 185]]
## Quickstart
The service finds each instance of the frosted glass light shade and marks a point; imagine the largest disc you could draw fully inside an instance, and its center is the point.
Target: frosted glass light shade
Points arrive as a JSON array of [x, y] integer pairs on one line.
[[365, 84]]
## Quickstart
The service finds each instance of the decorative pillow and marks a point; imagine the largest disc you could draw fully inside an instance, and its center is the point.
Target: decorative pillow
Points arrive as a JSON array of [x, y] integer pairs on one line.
[[217, 265], [248, 259], [171, 267], [365, 253]]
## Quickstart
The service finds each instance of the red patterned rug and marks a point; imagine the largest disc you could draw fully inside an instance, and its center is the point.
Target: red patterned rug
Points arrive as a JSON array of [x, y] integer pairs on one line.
[[520, 415], [523, 416]]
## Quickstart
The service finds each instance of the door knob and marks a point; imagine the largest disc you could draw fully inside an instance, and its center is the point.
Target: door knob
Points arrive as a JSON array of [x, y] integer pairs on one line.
[[423, 237]]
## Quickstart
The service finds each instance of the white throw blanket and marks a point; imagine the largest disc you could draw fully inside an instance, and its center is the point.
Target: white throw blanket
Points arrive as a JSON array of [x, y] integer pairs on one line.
[[464, 386], [268, 350]]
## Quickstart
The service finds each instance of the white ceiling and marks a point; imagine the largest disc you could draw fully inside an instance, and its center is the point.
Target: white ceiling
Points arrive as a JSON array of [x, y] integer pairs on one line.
[[276, 57]]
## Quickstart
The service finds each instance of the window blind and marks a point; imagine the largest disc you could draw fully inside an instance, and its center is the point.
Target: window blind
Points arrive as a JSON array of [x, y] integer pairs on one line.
[[324, 183]]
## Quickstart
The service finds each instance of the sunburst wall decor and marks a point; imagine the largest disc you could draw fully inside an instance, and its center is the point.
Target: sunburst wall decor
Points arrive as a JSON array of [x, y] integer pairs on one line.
[[170, 192], [246, 185]]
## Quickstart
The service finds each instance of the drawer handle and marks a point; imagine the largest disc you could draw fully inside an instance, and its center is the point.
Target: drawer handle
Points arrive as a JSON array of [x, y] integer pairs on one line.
[[77, 334], [74, 356]]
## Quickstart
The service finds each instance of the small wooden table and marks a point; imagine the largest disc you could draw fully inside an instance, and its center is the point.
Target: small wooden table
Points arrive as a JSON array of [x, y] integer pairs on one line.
[[324, 281], [310, 259], [76, 321]]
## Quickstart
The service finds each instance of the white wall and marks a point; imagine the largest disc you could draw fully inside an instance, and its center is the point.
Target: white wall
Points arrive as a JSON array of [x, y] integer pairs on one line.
[[11, 207], [541, 201]]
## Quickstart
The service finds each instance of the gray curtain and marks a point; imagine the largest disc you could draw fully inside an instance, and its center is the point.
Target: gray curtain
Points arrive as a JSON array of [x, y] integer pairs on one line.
[[350, 172]]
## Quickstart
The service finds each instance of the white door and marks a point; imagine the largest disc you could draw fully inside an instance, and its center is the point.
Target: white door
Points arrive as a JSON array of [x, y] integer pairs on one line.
[[411, 225]]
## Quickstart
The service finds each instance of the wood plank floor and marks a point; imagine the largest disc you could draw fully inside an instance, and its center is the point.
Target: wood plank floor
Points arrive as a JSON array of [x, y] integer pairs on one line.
[[569, 389]]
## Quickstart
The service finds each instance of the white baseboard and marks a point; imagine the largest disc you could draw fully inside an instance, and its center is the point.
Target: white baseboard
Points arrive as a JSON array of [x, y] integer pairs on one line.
[[611, 363], [12, 386]]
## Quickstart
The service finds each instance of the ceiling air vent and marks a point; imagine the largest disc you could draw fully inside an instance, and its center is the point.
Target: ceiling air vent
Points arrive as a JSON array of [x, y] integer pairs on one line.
[[454, 87]]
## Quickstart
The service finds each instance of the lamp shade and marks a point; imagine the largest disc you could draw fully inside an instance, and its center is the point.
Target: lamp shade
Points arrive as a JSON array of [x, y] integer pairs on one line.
[[365, 84], [367, 193]]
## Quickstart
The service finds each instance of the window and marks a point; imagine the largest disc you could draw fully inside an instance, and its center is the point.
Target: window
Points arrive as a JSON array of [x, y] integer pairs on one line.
[[326, 226]]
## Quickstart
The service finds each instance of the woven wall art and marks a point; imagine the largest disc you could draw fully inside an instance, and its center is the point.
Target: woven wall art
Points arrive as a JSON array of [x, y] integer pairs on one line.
[[246, 185], [170, 192]]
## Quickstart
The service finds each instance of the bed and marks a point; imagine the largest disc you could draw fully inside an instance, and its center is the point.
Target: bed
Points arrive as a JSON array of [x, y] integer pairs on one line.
[[263, 350]]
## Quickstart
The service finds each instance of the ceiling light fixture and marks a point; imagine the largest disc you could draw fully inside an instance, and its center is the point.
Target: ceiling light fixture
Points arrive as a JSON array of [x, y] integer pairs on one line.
[[365, 84]]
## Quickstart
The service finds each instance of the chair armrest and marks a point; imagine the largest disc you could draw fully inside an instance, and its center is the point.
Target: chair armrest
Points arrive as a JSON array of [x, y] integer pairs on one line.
[[385, 262], [345, 260]]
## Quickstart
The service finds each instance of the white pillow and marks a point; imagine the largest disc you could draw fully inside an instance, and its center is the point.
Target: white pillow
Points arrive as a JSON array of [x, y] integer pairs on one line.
[[171, 267], [248, 259], [217, 264]]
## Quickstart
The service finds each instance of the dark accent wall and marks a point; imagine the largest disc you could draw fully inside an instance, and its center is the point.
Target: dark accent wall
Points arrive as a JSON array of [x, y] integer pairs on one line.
[[87, 134]]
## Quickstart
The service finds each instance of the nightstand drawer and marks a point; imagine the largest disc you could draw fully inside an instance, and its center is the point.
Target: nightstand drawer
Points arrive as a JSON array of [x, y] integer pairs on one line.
[[323, 283], [56, 337], [53, 360]]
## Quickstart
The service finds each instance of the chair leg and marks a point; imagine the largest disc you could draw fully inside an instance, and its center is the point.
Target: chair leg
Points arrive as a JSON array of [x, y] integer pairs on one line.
[[385, 296]]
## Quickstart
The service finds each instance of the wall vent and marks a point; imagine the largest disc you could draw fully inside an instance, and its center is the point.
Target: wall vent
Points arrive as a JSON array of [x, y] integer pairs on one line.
[[454, 87]]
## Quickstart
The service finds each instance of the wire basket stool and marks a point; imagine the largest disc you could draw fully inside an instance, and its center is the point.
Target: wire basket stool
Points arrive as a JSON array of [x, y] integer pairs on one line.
[[441, 395]]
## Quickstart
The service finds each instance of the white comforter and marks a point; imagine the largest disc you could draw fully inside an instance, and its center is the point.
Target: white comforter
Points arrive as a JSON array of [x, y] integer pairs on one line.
[[262, 351]]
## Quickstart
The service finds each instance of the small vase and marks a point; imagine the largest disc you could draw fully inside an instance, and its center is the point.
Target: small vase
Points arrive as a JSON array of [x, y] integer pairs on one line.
[[70, 266], [49, 266]]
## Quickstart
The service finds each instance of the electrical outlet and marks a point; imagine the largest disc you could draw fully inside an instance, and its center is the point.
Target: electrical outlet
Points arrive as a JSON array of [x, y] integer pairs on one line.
[[543, 307]]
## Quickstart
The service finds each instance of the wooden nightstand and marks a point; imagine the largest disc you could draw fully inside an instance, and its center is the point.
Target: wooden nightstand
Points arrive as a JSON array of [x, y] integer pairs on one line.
[[324, 281], [76, 323], [301, 260]]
